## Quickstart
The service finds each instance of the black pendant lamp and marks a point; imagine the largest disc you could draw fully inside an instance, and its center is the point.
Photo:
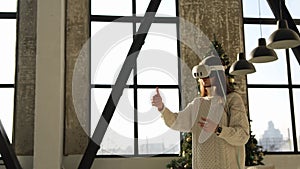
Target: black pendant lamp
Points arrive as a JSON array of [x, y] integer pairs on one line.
[[283, 37], [241, 66], [262, 53]]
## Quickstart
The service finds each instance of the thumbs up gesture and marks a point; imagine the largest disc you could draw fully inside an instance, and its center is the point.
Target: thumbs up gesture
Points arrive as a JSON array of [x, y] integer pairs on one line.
[[157, 100]]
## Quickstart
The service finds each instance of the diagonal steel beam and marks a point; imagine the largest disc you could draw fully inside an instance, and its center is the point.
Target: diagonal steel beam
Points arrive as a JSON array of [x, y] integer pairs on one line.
[[117, 90], [8, 154], [274, 5]]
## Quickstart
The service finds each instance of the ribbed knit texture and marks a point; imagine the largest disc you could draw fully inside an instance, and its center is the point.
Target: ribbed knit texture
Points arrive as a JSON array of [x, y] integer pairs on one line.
[[226, 151]]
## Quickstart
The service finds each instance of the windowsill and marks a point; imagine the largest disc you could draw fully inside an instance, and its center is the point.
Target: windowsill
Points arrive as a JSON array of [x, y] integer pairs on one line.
[[137, 156]]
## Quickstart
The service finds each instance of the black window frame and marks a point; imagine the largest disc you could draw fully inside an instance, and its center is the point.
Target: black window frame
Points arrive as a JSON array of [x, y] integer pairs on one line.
[[289, 86], [10, 15], [136, 20]]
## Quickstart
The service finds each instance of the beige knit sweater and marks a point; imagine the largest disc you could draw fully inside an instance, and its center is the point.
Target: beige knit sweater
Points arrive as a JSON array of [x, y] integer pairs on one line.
[[226, 151]]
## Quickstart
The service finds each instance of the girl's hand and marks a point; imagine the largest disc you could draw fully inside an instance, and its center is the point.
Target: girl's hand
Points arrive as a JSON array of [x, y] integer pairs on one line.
[[157, 101], [207, 125]]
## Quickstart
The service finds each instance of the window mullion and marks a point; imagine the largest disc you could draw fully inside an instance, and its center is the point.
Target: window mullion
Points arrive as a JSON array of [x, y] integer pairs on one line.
[[136, 130], [294, 133]]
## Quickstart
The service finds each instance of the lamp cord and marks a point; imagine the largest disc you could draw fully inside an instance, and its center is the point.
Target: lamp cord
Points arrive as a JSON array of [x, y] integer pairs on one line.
[[280, 10], [259, 14]]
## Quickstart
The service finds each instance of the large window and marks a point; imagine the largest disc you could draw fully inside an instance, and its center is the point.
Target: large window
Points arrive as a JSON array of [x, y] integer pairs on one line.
[[7, 62], [273, 91], [136, 127]]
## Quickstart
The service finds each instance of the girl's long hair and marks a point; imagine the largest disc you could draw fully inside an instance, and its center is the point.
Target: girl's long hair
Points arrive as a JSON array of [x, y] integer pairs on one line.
[[222, 83], [222, 86]]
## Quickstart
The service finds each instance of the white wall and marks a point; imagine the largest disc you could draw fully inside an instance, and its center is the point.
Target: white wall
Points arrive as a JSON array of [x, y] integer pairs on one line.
[[280, 162], [283, 161], [49, 95], [71, 162]]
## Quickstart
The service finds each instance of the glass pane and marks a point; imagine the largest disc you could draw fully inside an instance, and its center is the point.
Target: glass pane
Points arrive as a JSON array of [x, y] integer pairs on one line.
[[6, 113], [158, 142], [271, 118], [8, 6], [251, 9], [7, 50], [296, 97], [253, 33], [270, 73], [293, 7], [115, 7], [118, 138], [158, 60], [295, 68], [166, 8], [266, 73], [110, 44]]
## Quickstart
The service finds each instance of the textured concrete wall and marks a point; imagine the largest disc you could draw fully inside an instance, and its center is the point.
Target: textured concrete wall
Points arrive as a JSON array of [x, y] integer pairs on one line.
[[25, 78], [77, 101], [77, 33], [213, 17]]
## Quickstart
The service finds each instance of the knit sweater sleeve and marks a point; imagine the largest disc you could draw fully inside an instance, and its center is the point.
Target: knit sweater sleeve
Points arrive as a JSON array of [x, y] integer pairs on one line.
[[182, 120], [237, 131]]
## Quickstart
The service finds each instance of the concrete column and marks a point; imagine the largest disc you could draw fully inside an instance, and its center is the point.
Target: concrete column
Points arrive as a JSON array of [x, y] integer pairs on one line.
[[213, 17], [49, 98], [77, 77], [25, 78]]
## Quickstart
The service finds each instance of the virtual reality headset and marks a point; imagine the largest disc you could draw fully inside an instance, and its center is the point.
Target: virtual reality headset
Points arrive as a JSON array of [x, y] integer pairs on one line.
[[203, 71]]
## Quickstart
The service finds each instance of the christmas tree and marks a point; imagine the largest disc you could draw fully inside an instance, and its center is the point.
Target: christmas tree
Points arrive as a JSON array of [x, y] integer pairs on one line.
[[217, 49], [254, 152], [185, 160]]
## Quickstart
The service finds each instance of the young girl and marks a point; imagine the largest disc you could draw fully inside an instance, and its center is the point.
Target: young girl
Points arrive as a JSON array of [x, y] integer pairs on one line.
[[217, 119]]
